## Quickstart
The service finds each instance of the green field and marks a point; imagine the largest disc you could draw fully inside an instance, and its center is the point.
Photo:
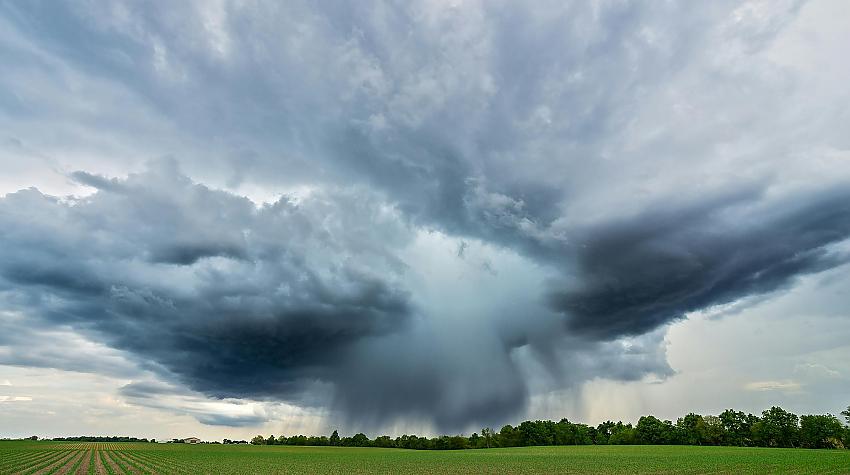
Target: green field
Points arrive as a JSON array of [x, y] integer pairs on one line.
[[133, 458]]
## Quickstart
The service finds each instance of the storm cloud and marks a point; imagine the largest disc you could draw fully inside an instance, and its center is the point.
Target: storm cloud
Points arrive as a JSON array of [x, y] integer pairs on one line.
[[270, 302], [405, 213], [636, 274], [201, 281]]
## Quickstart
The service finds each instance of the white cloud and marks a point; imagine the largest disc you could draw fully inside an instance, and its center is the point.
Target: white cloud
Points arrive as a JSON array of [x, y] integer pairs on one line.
[[15, 399], [784, 385]]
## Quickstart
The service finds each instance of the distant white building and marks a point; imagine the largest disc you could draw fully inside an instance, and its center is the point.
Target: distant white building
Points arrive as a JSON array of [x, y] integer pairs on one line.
[[192, 440]]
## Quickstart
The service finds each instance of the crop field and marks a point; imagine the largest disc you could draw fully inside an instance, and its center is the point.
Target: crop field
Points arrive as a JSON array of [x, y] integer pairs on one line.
[[44, 458]]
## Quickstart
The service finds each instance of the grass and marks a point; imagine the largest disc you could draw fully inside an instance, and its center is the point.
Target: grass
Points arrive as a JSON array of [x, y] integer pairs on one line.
[[21, 457]]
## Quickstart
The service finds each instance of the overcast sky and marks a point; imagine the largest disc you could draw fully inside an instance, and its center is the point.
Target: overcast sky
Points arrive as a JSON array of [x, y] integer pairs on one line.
[[228, 218]]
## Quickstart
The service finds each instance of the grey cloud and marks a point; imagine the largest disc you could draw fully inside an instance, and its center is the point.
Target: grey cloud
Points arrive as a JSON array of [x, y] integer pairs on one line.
[[563, 132], [326, 92], [147, 389], [25, 344], [96, 181], [636, 274], [218, 419], [232, 299], [308, 299], [158, 395]]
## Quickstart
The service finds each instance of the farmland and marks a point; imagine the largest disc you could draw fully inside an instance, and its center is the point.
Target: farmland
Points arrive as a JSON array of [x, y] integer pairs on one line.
[[44, 458]]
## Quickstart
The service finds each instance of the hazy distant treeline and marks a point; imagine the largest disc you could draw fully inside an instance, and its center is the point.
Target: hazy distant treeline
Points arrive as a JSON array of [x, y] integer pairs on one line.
[[92, 438], [774, 428]]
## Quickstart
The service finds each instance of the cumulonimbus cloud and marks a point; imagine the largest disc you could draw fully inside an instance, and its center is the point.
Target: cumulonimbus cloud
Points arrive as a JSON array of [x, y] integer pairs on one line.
[[641, 160], [199, 280]]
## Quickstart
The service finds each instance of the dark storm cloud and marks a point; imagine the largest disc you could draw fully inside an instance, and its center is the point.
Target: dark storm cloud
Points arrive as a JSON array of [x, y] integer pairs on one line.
[[635, 274], [283, 297], [232, 299], [561, 132]]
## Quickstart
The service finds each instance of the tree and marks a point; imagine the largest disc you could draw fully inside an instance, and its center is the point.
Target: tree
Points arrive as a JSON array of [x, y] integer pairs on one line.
[[603, 432], [821, 432], [509, 437], [779, 428], [650, 430], [271, 440], [713, 434], [258, 440], [360, 440], [334, 438], [623, 434], [384, 441], [737, 427], [692, 429], [536, 433], [487, 435], [846, 414]]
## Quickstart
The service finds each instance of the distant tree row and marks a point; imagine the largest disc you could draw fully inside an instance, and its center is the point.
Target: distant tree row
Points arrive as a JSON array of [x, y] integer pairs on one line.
[[92, 438], [775, 428]]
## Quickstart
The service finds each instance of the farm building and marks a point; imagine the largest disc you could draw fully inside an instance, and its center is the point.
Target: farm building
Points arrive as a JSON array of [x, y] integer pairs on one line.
[[192, 440]]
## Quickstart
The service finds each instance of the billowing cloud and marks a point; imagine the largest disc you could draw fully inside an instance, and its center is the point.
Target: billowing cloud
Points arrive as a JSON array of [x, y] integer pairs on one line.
[[201, 281], [641, 272], [233, 300], [454, 208]]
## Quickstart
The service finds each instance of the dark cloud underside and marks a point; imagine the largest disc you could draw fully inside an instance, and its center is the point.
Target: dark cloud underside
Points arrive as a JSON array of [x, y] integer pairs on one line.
[[636, 274]]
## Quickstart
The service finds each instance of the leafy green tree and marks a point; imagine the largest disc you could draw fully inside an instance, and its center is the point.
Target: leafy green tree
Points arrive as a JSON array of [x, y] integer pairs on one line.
[[563, 433], [779, 428], [383, 441], [692, 429], [487, 435], [821, 432], [583, 434], [738, 427], [509, 437], [457, 442], [714, 432], [258, 440], [360, 440], [603, 432], [271, 440], [334, 440], [315, 441], [623, 434], [650, 430], [846, 414], [536, 433]]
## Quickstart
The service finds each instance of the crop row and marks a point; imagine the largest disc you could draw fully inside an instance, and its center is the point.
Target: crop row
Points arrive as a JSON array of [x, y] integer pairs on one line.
[[41, 463]]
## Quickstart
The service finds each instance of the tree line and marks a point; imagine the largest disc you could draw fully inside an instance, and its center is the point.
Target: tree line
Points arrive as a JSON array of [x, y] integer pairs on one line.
[[775, 427], [94, 438]]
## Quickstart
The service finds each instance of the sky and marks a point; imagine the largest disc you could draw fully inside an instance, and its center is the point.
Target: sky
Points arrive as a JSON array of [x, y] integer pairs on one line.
[[222, 219]]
